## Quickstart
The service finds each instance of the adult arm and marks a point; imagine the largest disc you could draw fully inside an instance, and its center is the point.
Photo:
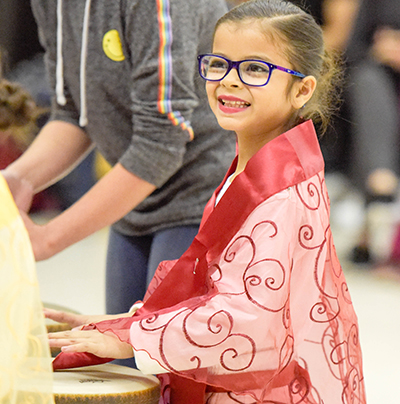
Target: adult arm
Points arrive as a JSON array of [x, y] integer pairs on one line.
[[112, 197], [386, 47], [339, 17], [58, 148]]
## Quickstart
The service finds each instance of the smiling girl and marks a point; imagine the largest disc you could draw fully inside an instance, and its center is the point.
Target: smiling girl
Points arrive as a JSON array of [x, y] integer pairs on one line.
[[260, 311]]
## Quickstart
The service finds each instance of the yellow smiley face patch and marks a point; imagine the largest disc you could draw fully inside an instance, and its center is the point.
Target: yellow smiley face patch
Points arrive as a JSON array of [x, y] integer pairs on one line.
[[112, 46]]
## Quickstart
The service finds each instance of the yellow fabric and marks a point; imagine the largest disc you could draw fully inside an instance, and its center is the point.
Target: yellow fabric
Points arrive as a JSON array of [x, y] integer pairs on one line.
[[102, 167], [25, 362]]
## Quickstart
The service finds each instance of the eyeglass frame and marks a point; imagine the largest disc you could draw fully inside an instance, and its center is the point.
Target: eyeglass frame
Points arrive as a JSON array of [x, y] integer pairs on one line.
[[236, 65]]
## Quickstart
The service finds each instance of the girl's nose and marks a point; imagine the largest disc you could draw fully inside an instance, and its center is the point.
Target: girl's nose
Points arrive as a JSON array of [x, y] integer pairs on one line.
[[232, 79]]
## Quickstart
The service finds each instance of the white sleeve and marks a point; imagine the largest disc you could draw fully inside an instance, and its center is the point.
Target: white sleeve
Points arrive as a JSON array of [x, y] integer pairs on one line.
[[135, 308], [147, 365], [143, 361]]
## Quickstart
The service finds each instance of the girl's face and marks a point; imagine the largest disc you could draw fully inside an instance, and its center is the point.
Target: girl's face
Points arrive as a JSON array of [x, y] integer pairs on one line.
[[259, 112]]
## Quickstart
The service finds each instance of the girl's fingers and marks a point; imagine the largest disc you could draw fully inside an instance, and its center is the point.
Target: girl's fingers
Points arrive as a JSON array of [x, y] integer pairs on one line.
[[92, 341], [58, 343], [74, 341], [58, 339], [54, 315], [73, 334], [63, 317], [74, 348], [78, 320]]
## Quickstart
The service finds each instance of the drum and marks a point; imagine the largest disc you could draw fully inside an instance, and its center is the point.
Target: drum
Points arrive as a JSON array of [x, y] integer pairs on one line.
[[105, 384]]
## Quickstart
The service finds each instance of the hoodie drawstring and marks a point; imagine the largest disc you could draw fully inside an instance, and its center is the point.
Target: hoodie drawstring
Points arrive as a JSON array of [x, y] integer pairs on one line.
[[60, 63], [83, 121]]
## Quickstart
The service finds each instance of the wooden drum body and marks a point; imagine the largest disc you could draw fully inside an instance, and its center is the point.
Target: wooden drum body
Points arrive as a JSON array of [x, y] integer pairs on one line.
[[105, 384]]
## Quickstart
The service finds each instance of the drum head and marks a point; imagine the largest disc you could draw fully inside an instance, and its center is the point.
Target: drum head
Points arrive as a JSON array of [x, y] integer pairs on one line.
[[105, 384]]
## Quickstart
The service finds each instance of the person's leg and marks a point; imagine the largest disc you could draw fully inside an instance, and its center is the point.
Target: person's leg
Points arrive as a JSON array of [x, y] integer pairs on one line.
[[129, 264], [169, 244], [374, 103], [126, 271]]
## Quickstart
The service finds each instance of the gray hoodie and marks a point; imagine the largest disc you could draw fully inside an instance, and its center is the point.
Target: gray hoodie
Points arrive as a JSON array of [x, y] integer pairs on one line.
[[126, 72]]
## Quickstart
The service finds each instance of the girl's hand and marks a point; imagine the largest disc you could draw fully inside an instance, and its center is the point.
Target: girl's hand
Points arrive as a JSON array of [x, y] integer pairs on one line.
[[105, 345], [78, 320]]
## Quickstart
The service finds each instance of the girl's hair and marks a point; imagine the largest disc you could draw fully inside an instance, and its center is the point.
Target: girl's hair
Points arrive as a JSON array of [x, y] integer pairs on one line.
[[18, 113], [304, 49]]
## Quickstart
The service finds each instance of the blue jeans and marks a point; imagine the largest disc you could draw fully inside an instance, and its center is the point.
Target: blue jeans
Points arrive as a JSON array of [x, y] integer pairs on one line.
[[132, 262]]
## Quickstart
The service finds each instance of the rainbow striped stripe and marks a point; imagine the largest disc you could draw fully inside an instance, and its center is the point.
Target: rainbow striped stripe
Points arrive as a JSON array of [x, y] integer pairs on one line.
[[165, 68]]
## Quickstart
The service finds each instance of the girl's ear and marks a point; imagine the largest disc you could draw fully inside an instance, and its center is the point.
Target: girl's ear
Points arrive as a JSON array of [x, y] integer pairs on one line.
[[302, 91]]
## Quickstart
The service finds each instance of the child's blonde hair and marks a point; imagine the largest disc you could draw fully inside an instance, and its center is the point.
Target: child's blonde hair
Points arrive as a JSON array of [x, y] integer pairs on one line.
[[305, 51]]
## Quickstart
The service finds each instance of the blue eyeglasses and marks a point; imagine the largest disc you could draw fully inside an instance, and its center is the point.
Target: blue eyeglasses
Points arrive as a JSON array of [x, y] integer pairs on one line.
[[251, 72]]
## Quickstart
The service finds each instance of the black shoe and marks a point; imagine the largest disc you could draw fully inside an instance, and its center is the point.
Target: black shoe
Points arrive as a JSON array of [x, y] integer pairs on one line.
[[360, 255]]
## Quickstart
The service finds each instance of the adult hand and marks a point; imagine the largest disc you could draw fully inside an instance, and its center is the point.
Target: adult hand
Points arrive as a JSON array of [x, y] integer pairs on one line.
[[386, 47], [78, 320], [21, 190], [105, 345]]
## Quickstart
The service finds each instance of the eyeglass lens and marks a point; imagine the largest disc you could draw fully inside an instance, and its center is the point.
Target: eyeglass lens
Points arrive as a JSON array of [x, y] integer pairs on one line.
[[251, 72]]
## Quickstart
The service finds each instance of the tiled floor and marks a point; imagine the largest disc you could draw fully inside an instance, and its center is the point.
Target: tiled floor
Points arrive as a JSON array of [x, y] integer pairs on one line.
[[75, 279]]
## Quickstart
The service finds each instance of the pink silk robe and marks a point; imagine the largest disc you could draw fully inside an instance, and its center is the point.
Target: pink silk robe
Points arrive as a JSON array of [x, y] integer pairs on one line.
[[257, 310]]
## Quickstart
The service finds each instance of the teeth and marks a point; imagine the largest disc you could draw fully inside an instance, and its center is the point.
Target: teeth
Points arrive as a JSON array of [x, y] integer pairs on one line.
[[235, 104]]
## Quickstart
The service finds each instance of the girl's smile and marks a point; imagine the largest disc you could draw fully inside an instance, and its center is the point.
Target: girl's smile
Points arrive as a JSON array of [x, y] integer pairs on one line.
[[232, 105]]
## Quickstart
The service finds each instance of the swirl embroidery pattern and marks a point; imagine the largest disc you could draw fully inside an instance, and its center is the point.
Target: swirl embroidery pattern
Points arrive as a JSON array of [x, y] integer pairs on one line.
[[280, 302]]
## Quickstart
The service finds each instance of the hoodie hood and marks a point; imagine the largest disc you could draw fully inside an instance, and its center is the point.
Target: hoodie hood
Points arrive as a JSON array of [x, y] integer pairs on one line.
[[61, 100]]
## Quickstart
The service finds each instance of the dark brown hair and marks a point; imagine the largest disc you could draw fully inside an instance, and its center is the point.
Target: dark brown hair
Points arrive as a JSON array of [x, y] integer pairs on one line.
[[18, 113], [304, 49]]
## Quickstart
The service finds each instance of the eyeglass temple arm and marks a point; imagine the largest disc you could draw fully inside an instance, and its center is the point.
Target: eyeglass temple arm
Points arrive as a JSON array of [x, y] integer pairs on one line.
[[293, 72]]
